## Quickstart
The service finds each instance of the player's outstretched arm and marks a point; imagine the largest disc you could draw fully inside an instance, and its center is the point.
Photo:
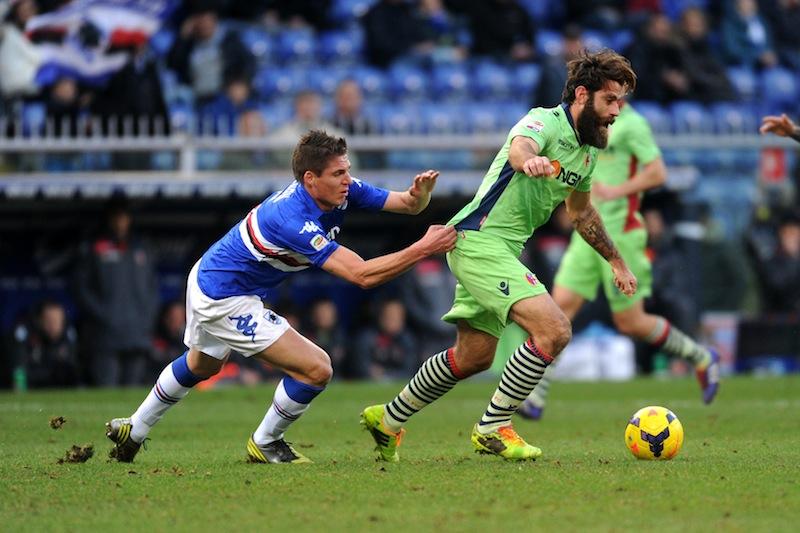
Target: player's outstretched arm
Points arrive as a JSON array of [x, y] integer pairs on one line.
[[780, 125], [414, 200], [588, 224], [348, 265], [652, 175]]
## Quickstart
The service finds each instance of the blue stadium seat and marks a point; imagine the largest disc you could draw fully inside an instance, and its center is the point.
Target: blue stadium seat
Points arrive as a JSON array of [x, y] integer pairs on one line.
[[324, 80], [655, 115], [485, 118], [744, 81], [549, 42], [34, 118], [161, 41], [181, 117], [450, 82], [511, 113], [525, 78], [491, 81], [690, 117], [344, 12], [340, 47], [408, 82], [273, 83], [779, 89], [730, 118], [260, 45], [372, 81], [276, 115], [400, 119], [595, 40], [444, 118], [620, 40], [296, 46]]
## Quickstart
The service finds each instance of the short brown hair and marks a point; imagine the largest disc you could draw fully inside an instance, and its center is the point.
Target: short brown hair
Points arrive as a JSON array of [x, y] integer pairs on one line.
[[594, 70], [314, 151]]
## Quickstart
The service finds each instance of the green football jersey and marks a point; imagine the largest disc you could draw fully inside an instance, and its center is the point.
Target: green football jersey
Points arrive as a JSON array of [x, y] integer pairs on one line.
[[512, 205], [630, 145]]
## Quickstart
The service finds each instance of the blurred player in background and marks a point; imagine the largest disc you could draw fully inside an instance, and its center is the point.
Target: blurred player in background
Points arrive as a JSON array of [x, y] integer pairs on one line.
[[630, 165], [290, 231], [548, 158]]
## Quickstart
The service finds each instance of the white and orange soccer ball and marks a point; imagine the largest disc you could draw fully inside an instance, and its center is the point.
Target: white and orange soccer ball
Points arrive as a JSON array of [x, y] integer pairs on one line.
[[654, 433]]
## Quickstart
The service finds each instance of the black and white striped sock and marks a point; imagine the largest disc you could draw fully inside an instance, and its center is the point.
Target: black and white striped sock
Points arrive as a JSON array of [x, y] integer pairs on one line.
[[520, 376], [435, 377]]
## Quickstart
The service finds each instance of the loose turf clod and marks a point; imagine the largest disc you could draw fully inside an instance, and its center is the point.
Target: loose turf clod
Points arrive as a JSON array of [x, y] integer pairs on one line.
[[57, 421], [78, 454]]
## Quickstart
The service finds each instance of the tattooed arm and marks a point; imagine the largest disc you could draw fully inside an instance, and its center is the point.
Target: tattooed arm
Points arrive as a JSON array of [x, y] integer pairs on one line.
[[588, 224]]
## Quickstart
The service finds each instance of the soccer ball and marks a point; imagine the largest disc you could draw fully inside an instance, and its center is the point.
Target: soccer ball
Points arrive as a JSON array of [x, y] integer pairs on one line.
[[654, 433]]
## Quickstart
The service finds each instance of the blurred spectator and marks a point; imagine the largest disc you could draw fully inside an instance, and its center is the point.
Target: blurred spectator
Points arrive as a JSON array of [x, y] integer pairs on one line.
[[324, 331], [671, 296], [169, 337], [233, 112], [659, 62], [395, 28], [307, 116], [778, 269], [348, 115], [554, 69], [783, 17], [298, 14], [446, 30], [724, 272], [45, 351], [427, 293], [708, 81], [132, 102], [598, 14], [63, 107], [117, 292], [388, 351], [204, 55], [501, 29], [746, 38], [19, 59]]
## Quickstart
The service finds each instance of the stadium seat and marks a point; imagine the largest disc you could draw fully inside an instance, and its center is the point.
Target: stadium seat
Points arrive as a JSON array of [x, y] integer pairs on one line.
[[372, 81], [399, 119], [655, 115], [324, 80], [296, 47], [161, 41], [484, 118], [260, 45], [549, 42], [744, 81], [276, 115], [779, 89], [340, 47], [491, 81], [444, 118], [450, 82], [344, 12], [408, 82], [181, 117], [273, 82], [691, 118], [34, 118], [595, 40], [620, 40], [730, 118], [525, 78]]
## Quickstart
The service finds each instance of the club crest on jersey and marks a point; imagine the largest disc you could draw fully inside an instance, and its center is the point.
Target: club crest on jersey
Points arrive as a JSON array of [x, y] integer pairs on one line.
[[532, 279], [319, 242], [245, 324], [587, 160], [536, 125], [310, 227]]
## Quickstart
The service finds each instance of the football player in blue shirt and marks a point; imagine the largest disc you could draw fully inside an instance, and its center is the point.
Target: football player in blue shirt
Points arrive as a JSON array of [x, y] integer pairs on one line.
[[291, 230]]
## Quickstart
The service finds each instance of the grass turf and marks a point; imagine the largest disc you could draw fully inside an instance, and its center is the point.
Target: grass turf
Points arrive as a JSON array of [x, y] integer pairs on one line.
[[737, 470]]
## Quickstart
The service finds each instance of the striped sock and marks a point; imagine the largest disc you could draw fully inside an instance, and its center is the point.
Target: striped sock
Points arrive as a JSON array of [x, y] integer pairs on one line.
[[676, 343], [435, 377], [520, 376], [175, 382], [538, 396], [291, 400]]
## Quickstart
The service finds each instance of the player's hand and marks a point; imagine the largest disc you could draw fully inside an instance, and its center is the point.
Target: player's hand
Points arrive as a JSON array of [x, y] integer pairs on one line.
[[438, 239], [423, 183], [624, 279], [781, 125], [604, 193], [538, 166]]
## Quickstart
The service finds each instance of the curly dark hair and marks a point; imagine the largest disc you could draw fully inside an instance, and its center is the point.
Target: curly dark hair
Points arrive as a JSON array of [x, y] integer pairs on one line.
[[594, 70], [314, 151]]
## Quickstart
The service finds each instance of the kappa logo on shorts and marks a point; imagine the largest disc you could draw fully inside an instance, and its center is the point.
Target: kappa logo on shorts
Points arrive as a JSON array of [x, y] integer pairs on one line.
[[245, 325], [503, 287]]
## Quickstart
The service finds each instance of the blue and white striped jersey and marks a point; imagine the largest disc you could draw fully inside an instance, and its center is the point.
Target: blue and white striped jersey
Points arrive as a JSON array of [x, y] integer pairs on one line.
[[285, 233]]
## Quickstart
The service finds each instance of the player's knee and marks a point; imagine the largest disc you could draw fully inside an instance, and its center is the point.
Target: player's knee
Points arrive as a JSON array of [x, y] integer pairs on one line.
[[561, 334], [477, 362], [626, 326], [321, 371]]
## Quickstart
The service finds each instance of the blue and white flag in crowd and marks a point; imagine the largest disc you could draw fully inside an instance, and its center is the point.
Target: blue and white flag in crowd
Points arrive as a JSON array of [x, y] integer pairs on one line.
[[89, 40]]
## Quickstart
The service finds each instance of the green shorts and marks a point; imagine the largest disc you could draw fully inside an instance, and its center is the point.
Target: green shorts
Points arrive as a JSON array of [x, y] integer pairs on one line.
[[490, 280], [582, 269]]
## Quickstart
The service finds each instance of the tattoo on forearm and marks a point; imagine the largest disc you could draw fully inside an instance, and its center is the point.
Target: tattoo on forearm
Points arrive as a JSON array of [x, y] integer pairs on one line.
[[591, 228]]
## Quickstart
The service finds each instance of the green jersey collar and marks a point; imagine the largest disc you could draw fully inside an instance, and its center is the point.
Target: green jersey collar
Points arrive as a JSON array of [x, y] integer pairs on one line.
[[571, 123]]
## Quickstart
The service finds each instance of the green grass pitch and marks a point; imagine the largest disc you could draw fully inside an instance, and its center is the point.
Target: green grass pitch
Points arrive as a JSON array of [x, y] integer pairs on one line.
[[738, 469]]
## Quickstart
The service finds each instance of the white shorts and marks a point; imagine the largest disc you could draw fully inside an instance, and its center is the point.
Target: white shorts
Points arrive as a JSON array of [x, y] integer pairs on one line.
[[240, 323]]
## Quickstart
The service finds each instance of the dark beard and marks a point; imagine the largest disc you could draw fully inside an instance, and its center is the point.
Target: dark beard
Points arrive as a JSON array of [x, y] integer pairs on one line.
[[590, 127]]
